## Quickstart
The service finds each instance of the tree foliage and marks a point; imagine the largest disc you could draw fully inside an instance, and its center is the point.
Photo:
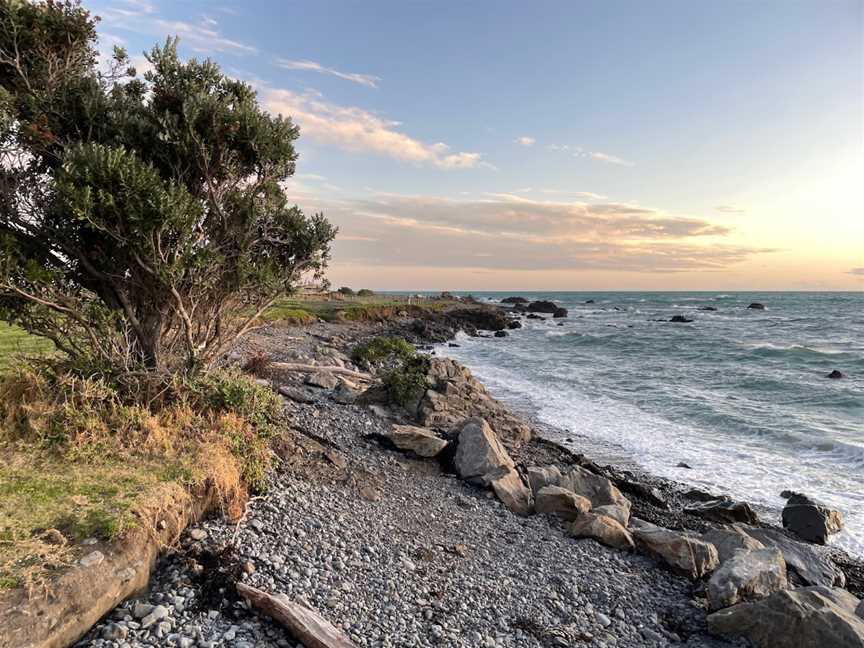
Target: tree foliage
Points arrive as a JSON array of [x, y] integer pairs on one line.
[[142, 219]]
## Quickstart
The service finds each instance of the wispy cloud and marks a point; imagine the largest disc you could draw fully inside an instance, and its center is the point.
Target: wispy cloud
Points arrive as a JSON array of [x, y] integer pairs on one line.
[[354, 129], [730, 209], [368, 80], [580, 152], [525, 140], [609, 159], [142, 17], [856, 271]]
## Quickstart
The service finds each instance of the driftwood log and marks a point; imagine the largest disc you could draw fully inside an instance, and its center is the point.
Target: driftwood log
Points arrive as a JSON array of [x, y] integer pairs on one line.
[[342, 371], [305, 625]]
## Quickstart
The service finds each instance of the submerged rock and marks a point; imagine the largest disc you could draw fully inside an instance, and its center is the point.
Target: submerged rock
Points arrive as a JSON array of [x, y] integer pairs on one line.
[[680, 319], [603, 529], [836, 374], [809, 520], [559, 313], [747, 576], [514, 324], [686, 555], [812, 617], [756, 306], [501, 334]]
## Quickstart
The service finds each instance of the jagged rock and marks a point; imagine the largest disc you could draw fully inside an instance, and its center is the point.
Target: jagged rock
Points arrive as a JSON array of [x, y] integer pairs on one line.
[[480, 457], [809, 562], [730, 540], [756, 306], [540, 477], [485, 318], [596, 488], [726, 511], [802, 618], [454, 395], [559, 313], [603, 529], [835, 374], [747, 576], [618, 513], [686, 555], [809, 520], [421, 441], [322, 379], [511, 490], [559, 501], [542, 306]]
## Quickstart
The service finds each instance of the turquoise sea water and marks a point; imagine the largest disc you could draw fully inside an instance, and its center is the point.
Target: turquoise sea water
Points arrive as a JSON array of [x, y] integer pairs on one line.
[[740, 395]]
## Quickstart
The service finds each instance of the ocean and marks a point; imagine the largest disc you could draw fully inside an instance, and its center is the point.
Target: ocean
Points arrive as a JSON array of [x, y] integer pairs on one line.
[[739, 395]]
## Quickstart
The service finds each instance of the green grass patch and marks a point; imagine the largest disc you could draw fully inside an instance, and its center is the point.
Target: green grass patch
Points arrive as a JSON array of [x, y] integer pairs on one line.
[[15, 342]]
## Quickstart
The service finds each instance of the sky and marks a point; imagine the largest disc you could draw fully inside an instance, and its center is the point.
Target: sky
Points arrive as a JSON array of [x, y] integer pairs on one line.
[[593, 145]]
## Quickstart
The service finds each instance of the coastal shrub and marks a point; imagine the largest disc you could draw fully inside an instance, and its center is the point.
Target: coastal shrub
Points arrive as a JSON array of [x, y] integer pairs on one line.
[[365, 292], [407, 382], [143, 221], [381, 350], [345, 290], [257, 364]]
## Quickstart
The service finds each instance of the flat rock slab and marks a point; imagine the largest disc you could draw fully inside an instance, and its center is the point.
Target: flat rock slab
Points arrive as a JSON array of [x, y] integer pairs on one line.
[[686, 555], [421, 441], [809, 562]]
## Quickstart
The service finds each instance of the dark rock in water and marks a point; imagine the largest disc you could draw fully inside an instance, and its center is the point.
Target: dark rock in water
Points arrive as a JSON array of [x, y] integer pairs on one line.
[[699, 495], [681, 464], [726, 511], [560, 312], [756, 306], [488, 319], [514, 300], [835, 375], [810, 521], [589, 301], [708, 308], [542, 307], [533, 316], [560, 324], [500, 334], [515, 324], [453, 344], [680, 319], [811, 564]]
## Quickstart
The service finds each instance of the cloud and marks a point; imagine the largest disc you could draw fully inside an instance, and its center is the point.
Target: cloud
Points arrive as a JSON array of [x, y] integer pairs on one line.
[[729, 209], [142, 17], [580, 152], [503, 231], [525, 140], [609, 159], [856, 271], [354, 129], [368, 80]]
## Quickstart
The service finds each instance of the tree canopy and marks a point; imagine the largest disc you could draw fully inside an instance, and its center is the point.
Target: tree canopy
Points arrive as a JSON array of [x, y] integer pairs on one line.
[[142, 219]]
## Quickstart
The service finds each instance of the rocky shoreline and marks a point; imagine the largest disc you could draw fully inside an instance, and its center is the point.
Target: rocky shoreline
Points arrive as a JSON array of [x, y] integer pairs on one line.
[[395, 549]]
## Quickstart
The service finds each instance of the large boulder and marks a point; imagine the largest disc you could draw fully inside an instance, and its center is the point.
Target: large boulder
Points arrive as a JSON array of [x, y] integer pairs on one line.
[[322, 379], [756, 306], [511, 490], [559, 313], [804, 618], [618, 513], [810, 563], [603, 529], [542, 476], [810, 521], [542, 306], [555, 500], [480, 457], [421, 441], [728, 541], [483, 318], [455, 395], [514, 300], [686, 555], [725, 510], [747, 576], [598, 489]]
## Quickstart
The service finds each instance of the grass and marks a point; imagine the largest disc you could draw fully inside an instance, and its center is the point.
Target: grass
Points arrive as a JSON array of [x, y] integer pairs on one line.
[[83, 457], [347, 308], [15, 342]]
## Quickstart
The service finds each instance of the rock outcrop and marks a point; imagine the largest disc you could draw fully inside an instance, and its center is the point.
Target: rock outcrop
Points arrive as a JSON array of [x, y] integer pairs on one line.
[[747, 576], [421, 441], [542, 306], [603, 529], [686, 555], [454, 395], [810, 521], [812, 617]]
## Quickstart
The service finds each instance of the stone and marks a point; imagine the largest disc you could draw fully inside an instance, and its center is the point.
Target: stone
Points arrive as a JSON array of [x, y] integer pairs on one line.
[[421, 441], [680, 319], [559, 313], [115, 632], [555, 500], [141, 609], [618, 513], [322, 379], [810, 521], [803, 618], [480, 453], [540, 477], [603, 529], [501, 334], [511, 490], [747, 576], [724, 510], [296, 394], [809, 562], [514, 324], [345, 395], [686, 555], [542, 306], [514, 300], [756, 306], [157, 614], [730, 540], [197, 534], [835, 374], [92, 559], [596, 488]]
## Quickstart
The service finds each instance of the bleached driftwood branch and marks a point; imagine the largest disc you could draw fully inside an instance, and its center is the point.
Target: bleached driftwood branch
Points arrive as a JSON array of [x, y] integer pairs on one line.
[[293, 366]]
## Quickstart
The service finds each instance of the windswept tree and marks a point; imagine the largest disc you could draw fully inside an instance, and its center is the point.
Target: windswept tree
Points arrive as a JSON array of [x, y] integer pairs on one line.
[[142, 220]]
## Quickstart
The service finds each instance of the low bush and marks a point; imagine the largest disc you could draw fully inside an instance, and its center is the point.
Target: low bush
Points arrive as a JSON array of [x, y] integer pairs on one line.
[[407, 382], [365, 292], [345, 290], [381, 350]]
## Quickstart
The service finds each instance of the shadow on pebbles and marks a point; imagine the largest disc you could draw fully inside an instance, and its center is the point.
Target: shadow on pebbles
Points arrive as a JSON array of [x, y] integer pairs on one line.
[[399, 554]]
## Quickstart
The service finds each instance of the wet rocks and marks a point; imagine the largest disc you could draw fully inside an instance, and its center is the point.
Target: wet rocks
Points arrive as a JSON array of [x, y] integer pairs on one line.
[[680, 319], [747, 576], [501, 334], [542, 306], [514, 324], [812, 617], [555, 500], [725, 511], [835, 374], [603, 529], [421, 441], [686, 555], [559, 313], [810, 521], [756, 306], [514, 300]]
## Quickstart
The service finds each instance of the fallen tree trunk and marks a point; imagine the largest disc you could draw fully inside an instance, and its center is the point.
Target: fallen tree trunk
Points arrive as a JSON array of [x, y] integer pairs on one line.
[[305, 625], [293, 366]]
